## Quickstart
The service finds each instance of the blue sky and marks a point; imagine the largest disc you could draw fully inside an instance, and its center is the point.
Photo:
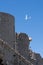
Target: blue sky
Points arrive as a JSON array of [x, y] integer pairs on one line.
[[33, 27]]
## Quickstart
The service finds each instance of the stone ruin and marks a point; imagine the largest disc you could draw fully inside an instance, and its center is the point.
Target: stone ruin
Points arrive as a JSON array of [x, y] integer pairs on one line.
[[14, 47]]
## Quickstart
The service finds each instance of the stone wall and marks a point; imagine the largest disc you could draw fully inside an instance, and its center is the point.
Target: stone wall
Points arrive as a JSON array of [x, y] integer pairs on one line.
[[15, 50], [7, 28]]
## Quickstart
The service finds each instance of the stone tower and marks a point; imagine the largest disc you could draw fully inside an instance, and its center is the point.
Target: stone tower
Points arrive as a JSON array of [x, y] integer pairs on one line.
[[7, 29], [23, 42], [20, 54]]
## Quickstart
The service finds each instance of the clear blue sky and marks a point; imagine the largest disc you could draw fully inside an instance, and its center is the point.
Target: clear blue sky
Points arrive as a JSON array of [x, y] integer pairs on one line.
[[33, 27]]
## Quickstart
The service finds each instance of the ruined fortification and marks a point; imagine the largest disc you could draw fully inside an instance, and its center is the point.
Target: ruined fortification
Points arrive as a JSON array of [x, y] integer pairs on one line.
[[14, 47]]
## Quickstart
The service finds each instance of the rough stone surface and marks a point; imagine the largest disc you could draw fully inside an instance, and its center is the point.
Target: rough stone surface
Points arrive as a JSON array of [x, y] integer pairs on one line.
[[7, 27], [15, 50]]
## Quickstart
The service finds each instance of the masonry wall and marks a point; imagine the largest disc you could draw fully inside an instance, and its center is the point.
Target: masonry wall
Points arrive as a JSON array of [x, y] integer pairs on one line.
[[7, 29], [23, 55], [23, 42]]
